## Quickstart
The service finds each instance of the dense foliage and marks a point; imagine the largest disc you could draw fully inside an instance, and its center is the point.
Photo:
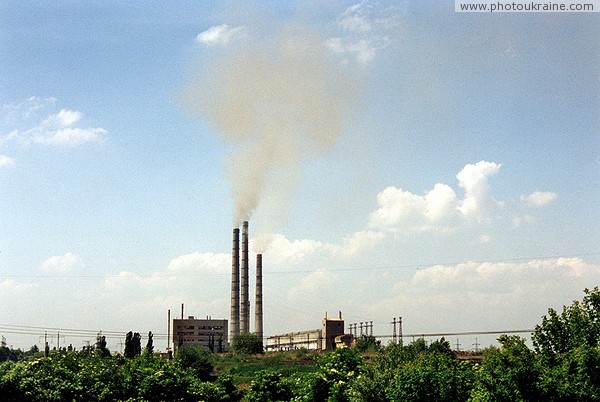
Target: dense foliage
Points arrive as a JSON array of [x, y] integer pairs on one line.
[[195, 358], [246, 344], [556, 369]]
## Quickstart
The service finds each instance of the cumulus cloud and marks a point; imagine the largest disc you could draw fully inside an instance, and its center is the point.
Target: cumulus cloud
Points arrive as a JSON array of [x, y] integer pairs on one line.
[[313, 283], [221, 35], [478, 203], [440, 210], [6, 160], [57, 129], [283, 252], [62, 263], [182, 275], [358, 242], [538, 199], [489, 295]]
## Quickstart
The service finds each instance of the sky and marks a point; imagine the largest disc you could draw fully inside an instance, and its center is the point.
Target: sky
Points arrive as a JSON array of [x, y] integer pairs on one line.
[[393, 158]]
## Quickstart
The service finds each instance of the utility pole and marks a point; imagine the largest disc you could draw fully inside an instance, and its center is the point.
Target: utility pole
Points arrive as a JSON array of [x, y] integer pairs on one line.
[[400, 331], [361, 329], [394, 330], [476, 344]]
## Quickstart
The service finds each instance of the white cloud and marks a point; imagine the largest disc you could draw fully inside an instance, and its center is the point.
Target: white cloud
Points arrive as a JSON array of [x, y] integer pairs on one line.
[[58, 130], [366, 29], [14, 112], [478, 203], [64, 118], [397, 206], [284, 253], [440, 203], [6, 160], [488, 295], [362, 49], [62, 263], [10, 287], [200, 262], [538, 199], [439, 210], [221, 35], [358, 242], [312, 284], [182, 274]]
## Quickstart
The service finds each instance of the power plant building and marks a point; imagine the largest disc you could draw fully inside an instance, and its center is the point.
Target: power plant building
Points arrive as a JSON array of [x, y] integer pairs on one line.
[[328, 337], [209, 333]]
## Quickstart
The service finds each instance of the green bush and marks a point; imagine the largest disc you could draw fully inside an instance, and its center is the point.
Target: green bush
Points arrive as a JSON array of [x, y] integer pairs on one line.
[[269, 387], [197, 359], [335, 371], [246, 344], [433, 376], [367, 344], [510, 373]]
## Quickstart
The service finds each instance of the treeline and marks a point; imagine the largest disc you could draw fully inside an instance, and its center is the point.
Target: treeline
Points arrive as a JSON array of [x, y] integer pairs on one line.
[[563, 365]]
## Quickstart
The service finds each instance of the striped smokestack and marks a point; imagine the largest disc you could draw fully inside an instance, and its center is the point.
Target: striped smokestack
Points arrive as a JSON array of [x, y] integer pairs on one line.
[[234, 328], [258, 313], [244, 301]]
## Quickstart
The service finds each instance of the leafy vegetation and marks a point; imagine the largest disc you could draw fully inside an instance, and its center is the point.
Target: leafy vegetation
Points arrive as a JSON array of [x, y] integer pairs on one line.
[[556, 369], [246, 344], [195, 358]]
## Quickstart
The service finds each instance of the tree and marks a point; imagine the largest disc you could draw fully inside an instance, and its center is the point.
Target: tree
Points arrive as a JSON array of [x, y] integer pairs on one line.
[[577, 325], [129, 345], [433, 376], [335, 372], [137, 344], [150, 344], [269, 387], [246, 344], [510, 373], [197, 359], [367, 344], [133, 344], [101, 345]]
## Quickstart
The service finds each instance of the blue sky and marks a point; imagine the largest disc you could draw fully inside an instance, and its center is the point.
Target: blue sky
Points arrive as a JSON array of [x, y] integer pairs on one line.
[[414, 162]]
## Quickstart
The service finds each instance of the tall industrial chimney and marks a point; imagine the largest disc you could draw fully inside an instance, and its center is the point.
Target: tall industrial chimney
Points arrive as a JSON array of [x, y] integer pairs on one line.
[[244, 301], [258, 308], [234, 328]]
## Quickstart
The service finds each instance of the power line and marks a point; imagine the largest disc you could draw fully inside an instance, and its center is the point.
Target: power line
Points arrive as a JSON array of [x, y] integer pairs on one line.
[[71, 332], [444, 334], [286, 272]]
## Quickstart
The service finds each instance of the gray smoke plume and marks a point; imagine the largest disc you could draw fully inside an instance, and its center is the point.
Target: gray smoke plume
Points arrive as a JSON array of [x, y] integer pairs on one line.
[[277, 104]]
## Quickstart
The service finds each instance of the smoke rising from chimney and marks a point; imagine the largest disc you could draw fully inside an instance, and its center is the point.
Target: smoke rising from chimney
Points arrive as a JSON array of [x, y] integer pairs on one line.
[[277, 103]]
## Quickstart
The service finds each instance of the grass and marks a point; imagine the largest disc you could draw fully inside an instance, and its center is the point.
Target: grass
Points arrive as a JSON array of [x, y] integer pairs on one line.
[[244, 368]]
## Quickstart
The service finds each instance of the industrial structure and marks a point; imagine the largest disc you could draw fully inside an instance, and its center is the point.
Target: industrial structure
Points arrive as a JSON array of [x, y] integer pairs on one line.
[[328, 337], [212, 334], [209, 333], [240, 295]]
